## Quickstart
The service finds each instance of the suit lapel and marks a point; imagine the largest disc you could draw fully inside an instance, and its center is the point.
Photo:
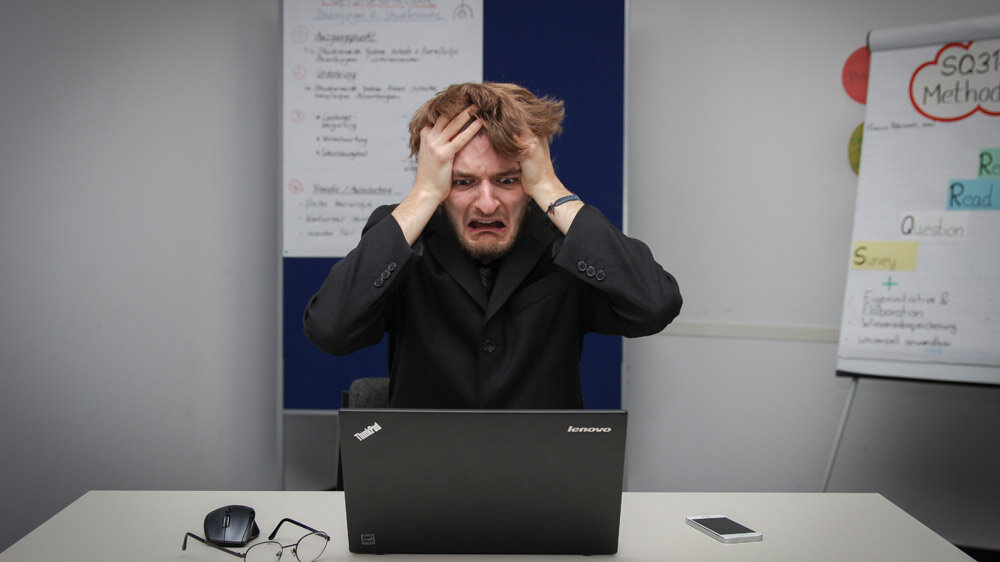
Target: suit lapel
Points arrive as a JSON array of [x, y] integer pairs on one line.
[[531, 243], [445, 248]]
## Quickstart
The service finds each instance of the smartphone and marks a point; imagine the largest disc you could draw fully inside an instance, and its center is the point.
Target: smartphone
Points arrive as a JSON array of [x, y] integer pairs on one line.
[[723, 529]]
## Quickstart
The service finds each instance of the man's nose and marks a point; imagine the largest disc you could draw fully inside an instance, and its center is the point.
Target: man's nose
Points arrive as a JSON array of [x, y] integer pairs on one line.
[[486, 201]]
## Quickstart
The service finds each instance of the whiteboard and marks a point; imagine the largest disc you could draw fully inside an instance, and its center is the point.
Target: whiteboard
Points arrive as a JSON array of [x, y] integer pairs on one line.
[[354, 74], [519, 45], [923, 297]]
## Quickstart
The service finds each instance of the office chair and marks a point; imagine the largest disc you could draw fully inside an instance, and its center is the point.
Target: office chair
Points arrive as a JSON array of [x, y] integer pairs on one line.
[[367, 392]]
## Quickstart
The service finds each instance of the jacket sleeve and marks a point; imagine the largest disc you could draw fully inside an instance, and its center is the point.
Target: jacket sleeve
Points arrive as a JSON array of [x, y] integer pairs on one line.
[[626, 291], [348, 312]]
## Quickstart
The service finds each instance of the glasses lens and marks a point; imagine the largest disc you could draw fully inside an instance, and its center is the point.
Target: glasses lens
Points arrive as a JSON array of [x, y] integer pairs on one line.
[[269, 551], [311, 546]]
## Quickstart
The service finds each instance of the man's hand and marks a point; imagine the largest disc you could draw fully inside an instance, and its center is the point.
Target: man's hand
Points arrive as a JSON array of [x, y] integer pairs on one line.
[[438, 146], [539, 180]]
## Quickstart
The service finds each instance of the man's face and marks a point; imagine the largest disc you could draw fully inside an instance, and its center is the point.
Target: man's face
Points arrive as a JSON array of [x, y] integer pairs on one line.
[[487, 204]]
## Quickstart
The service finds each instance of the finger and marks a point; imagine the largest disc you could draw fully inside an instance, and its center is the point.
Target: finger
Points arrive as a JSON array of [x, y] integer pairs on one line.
[[443, 130], [465, 135], [457, 123], [532, 145]]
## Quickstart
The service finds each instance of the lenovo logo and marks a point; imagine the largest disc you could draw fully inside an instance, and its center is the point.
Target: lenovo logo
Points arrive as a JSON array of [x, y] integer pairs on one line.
[[572, 429]]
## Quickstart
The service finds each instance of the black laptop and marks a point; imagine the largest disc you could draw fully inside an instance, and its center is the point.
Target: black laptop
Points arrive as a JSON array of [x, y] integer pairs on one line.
[[483, 481]]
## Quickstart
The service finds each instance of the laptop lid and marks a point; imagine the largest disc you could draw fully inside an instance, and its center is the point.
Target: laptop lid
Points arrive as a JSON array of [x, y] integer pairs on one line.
[[483, 481]]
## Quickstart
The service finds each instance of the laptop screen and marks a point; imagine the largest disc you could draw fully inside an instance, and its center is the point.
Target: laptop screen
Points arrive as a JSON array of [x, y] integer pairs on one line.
[[483, 481]]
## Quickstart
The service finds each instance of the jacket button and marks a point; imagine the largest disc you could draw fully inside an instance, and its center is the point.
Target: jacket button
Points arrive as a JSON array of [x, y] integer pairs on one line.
[[581, 266], [591, 271], [379, 282], [600, 275], [385, 274], [391, 267], [489, 346]]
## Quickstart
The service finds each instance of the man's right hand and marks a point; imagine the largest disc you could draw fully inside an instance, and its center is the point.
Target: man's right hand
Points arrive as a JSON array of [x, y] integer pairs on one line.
[[438, 146]]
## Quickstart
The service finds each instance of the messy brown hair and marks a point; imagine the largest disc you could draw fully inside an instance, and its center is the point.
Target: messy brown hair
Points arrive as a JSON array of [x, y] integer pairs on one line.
[[507, 111]]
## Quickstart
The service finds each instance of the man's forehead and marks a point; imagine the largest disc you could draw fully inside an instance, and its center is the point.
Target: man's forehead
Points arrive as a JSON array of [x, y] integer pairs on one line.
[[457, 170], [479, 156]]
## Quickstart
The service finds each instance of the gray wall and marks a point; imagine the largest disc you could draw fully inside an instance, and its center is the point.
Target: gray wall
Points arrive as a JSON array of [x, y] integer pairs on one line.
[[739, 181], [139, 260], [138, 249]]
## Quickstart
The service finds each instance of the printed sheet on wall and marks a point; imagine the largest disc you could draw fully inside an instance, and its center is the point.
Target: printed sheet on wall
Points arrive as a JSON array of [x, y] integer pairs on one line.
[[354, 73], [923, 289]]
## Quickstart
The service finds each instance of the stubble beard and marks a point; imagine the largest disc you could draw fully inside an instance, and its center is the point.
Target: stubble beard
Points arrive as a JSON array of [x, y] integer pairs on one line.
[[487, 249]]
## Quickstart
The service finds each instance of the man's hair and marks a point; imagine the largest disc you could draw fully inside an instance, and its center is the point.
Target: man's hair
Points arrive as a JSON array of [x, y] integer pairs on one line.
[[507, 112]]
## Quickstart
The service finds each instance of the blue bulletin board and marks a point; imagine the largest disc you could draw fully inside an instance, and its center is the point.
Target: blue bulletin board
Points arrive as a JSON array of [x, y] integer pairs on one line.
[[568, 50]]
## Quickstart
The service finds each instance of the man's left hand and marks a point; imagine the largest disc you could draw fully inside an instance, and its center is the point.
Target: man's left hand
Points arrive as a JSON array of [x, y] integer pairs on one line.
[[539, 180]]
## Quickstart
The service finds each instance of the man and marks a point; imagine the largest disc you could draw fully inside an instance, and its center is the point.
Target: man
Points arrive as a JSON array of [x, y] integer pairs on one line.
[[489, 272]]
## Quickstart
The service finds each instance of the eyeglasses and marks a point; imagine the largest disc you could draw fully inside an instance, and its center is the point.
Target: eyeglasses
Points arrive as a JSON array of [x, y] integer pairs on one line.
[[307, 549]]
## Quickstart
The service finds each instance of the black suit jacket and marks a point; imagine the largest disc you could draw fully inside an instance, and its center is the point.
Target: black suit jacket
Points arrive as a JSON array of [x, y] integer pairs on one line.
[[453, 346]]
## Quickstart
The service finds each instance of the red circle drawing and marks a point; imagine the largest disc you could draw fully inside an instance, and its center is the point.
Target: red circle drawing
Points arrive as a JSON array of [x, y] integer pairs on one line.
[[855, 74], [298, 116], [299, 71], [300, 34], [295, 186]]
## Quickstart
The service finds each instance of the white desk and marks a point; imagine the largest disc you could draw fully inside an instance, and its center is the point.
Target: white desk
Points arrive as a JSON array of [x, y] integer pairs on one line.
[[135, 525]]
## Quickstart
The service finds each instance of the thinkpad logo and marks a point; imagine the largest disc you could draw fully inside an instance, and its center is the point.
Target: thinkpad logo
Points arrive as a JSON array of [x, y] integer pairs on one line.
[[368, 431], [573, 429]]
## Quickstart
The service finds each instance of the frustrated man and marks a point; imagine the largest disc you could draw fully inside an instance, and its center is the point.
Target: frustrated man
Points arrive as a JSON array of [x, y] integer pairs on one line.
[[490, 271]]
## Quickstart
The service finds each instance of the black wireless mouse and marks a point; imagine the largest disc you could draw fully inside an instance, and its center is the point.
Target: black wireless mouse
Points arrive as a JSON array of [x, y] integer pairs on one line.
[[232, 525]]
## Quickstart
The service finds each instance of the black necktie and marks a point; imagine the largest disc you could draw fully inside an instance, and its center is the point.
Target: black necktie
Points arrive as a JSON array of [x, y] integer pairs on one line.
[[488, 276]]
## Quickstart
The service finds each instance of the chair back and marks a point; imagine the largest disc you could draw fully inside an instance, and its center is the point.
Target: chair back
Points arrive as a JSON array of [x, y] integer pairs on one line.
[[368, 392]]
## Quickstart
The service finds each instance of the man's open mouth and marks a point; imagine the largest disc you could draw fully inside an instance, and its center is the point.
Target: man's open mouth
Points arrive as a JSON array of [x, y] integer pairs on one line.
[[487, 226]]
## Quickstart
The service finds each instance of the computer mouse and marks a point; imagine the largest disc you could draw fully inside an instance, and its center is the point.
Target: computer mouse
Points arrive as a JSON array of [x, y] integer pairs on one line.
[[232, 525]]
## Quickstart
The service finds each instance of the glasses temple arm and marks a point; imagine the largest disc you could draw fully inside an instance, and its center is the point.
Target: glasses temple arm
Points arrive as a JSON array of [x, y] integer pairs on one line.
[[292, 521], [203, 541]]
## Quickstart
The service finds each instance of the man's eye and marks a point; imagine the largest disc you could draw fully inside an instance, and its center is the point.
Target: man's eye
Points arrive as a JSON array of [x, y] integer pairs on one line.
[[508, 181], [461, 183]]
